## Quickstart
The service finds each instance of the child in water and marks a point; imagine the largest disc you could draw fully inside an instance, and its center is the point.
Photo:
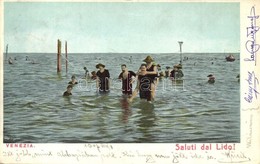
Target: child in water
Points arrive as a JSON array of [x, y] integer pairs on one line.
[[68, 92], [93, 75]]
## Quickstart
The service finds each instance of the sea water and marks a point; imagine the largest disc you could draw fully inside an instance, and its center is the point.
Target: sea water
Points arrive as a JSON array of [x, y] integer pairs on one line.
[[194, 111]]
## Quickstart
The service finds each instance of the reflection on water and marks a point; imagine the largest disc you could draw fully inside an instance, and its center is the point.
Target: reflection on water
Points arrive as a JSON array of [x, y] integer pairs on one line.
[[126, 110], [146, 122], [189, 111]]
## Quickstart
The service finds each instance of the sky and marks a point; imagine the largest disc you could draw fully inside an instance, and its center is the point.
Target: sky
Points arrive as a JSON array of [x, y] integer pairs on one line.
[[90, 27]]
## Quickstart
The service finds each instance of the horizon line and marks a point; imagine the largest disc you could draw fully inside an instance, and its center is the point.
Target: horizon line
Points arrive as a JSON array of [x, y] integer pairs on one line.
[[119, 52]]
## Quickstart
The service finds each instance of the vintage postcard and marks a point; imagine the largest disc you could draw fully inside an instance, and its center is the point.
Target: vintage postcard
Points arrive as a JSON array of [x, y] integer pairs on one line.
[[130, 81]]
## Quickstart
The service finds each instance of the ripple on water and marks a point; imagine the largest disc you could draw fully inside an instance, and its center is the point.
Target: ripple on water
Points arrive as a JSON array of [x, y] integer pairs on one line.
[[194, 111]]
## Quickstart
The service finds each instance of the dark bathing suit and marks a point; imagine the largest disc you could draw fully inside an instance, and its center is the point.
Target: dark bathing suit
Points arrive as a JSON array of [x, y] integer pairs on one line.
[[166, 73], [66, 93], [145, 87], [151, 76], [103, 80], [126, 83], [72, 83], [173, 73]]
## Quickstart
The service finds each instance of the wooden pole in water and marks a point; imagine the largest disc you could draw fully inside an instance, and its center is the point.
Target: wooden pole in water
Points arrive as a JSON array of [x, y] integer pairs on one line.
[[66, 51], [59, 56], [180, 42], [6, 52]]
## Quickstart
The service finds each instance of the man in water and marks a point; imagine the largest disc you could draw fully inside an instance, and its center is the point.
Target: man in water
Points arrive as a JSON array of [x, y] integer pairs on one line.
[[86, 72], [10, 61], [130, 59], [127, 80], [143, 85], [176, 73], [211, 79], [68, 92], [103, 78], [73, 80], [152, 73], [167, 72]]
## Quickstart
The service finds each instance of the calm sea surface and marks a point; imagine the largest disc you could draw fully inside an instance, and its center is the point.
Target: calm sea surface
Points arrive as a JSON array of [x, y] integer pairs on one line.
[[35, 110]]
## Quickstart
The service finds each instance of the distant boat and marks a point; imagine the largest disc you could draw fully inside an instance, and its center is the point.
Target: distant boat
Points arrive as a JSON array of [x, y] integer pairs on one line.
[[230, 58]]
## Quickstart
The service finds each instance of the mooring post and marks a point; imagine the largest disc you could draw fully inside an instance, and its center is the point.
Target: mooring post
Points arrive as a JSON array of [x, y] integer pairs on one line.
[[180, 43], [6, 52], [66, 51], [59, 56]]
